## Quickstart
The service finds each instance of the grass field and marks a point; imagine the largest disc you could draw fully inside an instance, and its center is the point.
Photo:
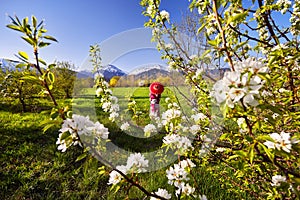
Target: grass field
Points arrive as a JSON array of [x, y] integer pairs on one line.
[[32, 168]]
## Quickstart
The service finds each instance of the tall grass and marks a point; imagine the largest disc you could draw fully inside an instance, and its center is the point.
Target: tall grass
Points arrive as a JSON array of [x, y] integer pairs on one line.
[[31, 167]]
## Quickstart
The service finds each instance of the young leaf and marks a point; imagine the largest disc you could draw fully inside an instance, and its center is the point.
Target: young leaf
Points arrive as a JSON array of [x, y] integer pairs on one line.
[[48, 37], [251, 153], [34, 21], [42, 61], [44, 44], [24, 55], [28, 39], [51, 66], [82, 156], [51, 77], [14, 27], [20, 65], [266, 150]]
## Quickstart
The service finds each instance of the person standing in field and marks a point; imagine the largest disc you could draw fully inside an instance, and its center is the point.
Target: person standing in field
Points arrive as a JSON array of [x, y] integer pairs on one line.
[[156, 89]]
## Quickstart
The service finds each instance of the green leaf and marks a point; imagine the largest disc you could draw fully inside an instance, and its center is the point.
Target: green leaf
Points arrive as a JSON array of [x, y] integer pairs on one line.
[[42, 61], [212, 42], [263, 137], [237, 17], [82, 156], [48, 37], [251, 153], [23, 55], [51, 66], [20, 65], [102, 170], [34, 21], [28, 40], [25, 22], [42, 30], [31, 78], [51, 77], [224, 136], [201, 27], [266, 150], [14, 27], [44, 44], [241, 154]]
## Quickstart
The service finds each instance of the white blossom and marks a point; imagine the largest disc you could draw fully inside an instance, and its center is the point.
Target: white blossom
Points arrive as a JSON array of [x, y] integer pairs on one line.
[[113, 116], [100, 131], [240, 121], [106, 106], [176, 175], [240, 85], [202, 197], [277, 179], [282, 141], [186, 164], [62, 146], [137, 163], [284, 5], [76, 126], [220, 149], [162, 193], [113, 99], [114, 108], [181, 143], [99, 91], [195, 129], [150, 128], [185, 189], [198, 117], [114, 178], [125, 126], [150, 9], [275, 115], [165, 15], [170, 114]]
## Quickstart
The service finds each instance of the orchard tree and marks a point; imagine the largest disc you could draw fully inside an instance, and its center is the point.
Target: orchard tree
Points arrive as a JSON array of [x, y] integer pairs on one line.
[[65, 76], [258, 98], [18, 85], [246, 123]]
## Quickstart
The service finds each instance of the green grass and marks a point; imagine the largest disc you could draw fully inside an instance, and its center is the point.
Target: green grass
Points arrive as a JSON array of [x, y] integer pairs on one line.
[[31, 167]]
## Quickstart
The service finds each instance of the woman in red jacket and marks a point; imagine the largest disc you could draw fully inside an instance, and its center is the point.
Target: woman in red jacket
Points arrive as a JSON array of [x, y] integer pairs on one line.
[[156, 89]]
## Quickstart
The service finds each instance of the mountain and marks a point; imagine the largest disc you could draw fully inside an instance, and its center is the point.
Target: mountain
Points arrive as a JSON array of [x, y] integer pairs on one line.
[[150, 72], [108, 72], [147, 68]]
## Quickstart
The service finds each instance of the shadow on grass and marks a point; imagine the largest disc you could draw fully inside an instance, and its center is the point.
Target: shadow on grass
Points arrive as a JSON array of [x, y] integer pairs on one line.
[[31, 167]]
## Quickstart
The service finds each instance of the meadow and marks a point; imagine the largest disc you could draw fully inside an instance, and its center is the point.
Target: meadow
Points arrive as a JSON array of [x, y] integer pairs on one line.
[[33, 168]]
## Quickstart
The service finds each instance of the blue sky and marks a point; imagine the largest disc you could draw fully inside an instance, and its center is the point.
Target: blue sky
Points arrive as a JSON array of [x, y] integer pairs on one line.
[[79, 24]]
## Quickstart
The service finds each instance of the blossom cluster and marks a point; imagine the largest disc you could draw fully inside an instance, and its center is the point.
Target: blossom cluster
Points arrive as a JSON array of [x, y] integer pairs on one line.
[[73, 128], [162, 193], [241, 85], [171, 117], [277, 180], [136, 163], [181, 143], [109, 103], [295, 19], [178, 175], [281, 141], [150, 128]]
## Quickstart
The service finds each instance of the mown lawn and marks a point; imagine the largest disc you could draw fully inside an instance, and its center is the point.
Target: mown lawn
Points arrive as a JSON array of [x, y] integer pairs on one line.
[[31, 167]]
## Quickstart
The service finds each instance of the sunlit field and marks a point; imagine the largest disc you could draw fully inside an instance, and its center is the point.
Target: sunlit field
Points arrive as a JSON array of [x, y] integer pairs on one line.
[[33, 168]]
